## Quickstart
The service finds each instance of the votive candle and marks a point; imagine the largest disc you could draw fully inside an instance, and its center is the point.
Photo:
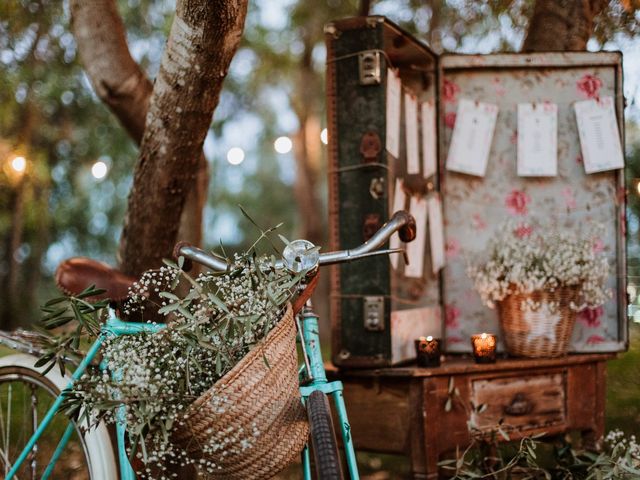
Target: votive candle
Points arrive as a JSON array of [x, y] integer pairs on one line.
[[484, 347], [428, 351]]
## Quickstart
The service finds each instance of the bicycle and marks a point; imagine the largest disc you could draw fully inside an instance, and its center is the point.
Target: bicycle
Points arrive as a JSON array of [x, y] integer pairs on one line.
[[93, 448]]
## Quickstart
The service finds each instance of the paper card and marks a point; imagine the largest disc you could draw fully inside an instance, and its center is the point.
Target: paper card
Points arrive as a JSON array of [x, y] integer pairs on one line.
[[411, 131], [415, 249], [399, 199], [436, 233], [429, 152], [537, 140], [599, 135], [472, 137], [394, 99]]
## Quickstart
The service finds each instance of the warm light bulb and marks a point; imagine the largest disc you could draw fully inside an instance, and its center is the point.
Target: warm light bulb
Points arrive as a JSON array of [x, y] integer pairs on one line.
[[283, 144], [324, 136], [19, 164], [235, 156], [99, 170]]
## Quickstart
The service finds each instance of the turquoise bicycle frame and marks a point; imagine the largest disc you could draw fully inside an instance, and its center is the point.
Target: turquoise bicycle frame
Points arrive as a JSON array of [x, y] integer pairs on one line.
[[112, 327], [312, 372], [314, 377]]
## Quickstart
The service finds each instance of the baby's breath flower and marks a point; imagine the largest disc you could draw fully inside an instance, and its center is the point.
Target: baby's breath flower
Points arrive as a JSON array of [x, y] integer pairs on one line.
[[209, 329], [527, 257]]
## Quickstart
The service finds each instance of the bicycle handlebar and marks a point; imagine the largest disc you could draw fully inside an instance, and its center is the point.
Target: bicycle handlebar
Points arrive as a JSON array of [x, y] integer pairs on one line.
[[401, 222]]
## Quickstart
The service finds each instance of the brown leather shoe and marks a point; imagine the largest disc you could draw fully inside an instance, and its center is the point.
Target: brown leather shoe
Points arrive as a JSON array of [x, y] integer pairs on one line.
[[75, 274]]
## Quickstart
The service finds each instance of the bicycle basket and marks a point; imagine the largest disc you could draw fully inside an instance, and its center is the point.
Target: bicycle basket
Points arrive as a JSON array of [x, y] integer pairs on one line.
[[251, 423]]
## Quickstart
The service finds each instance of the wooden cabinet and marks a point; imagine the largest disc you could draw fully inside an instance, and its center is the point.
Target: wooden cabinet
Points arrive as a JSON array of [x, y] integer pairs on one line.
[[402, 410]]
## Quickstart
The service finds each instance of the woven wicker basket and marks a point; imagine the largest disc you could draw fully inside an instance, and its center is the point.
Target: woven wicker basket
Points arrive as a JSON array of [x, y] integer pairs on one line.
[[251, 423], [544, 332]]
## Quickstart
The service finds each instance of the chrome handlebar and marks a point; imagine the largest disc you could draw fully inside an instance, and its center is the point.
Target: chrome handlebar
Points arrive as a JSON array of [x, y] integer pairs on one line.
[[301, 254]]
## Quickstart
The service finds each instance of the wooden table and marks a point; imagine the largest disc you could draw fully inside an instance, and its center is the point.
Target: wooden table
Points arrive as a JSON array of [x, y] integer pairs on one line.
[[403, 410]]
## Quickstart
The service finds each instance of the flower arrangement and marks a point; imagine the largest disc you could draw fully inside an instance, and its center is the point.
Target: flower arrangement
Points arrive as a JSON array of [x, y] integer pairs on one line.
[[525, 257], [216, 320]]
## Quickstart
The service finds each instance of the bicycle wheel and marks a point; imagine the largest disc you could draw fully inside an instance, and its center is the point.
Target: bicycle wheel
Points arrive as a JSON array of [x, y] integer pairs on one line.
[[323, 437], [25, 396]]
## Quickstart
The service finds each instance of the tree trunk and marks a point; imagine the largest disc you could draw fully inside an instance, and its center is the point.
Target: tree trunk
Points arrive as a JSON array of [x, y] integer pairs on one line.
[[117, 79], [122, 85], [203, 39], [561, 25]]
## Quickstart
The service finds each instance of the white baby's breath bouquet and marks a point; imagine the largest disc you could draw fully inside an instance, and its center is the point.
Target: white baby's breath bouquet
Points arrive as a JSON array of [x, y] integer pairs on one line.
[[213, 321], [525, 257]]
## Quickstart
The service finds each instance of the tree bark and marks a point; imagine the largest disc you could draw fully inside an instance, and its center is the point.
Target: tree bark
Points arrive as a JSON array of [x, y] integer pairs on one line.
[[561, 25], [117, 79], [122, 85], [204, 37]]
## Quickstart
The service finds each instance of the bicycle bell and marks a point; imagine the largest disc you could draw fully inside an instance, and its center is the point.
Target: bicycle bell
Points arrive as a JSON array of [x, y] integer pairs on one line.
[[301, 255]]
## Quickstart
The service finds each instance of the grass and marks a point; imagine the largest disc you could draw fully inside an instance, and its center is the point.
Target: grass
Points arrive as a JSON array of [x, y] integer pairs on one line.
[[623, 388]]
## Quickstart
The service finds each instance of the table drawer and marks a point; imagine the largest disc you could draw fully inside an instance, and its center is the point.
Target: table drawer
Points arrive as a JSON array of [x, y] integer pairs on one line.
[[524, 402]]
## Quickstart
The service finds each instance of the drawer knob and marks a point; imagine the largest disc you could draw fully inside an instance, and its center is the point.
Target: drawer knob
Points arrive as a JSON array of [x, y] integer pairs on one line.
[[520, 405]]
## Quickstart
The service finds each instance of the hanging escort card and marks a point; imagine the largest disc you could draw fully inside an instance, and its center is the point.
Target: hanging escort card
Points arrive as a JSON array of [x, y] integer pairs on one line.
[[415, 249], [399, 199], [599, 135], [411, 130], [429, 152], [472, 136], [436, 232], [394, 100], [537, 140]]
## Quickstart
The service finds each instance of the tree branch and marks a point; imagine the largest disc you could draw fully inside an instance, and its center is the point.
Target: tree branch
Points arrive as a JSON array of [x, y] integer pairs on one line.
[[204, 37], [117, 79]]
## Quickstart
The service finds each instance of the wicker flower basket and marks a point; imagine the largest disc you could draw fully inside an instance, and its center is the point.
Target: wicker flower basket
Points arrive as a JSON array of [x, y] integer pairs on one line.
[[544, 331], [251, 423]]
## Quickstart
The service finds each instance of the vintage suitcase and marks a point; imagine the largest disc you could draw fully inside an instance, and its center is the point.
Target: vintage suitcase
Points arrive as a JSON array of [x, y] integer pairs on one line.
[[377, 311]]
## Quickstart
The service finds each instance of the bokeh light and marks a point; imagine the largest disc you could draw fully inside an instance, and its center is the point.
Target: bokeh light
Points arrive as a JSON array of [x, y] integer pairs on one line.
[[324, 136], [99, 170], [19, 164], [235, 156], [283, 144]]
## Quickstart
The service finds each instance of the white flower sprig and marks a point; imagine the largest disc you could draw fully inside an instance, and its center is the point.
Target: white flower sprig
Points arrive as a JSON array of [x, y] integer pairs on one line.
[[527, 257], [157, 376]]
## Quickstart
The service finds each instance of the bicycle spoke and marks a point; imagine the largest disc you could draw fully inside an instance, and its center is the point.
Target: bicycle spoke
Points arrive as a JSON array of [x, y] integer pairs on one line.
[[34, 426], [9, 395], [4, 443]]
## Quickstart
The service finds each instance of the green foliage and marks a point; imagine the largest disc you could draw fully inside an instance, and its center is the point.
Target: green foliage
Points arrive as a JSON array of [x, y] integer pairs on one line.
[[533, 459], [213, 321], [64, 343]]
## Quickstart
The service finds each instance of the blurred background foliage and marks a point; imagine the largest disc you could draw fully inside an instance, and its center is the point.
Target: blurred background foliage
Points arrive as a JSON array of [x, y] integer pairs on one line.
[[49, 115]]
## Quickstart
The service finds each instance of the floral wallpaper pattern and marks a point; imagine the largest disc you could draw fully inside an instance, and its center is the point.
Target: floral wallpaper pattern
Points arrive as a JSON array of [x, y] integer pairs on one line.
[[475, 207]]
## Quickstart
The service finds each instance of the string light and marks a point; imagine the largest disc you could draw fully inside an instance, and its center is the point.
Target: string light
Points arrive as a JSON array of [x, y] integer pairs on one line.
[[19, 164], [324, 136], [235, 156], [283, 144], [99, 170]]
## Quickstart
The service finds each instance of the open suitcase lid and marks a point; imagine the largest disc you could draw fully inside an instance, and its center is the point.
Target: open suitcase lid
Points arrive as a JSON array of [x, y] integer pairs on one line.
[[475, 206]]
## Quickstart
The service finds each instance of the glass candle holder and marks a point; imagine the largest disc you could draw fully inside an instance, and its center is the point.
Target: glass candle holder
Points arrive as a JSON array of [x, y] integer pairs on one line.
[[484, 347], [428, 351]]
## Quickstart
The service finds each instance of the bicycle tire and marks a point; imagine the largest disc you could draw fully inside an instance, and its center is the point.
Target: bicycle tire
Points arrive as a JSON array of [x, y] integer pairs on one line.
[[323, 438], [97, 453]]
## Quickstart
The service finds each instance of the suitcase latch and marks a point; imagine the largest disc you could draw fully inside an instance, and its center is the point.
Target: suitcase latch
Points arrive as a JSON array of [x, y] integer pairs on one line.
[[370, 147], [369, 63], [374, 313]]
